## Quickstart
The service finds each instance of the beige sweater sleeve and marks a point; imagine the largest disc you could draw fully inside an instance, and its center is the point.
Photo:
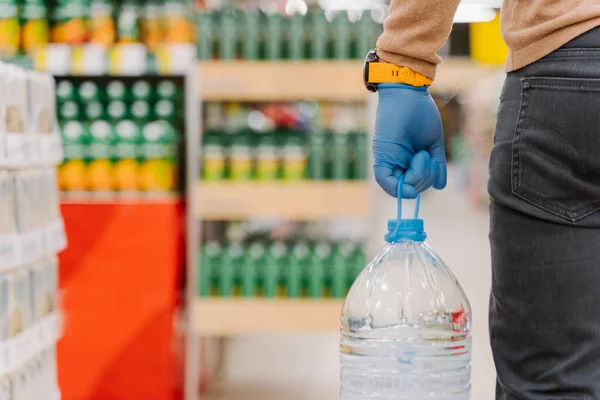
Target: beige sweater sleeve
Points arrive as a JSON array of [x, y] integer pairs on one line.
[[414, 31]]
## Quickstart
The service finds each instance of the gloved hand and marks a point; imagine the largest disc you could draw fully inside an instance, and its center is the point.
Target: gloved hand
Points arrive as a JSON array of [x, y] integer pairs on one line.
[[408, 141]]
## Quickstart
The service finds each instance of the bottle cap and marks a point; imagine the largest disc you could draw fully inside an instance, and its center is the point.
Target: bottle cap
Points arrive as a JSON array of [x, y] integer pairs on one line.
[[405, 229]]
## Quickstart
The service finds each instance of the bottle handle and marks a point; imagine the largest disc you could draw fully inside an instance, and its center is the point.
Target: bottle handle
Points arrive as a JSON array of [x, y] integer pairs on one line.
[[399, 194]]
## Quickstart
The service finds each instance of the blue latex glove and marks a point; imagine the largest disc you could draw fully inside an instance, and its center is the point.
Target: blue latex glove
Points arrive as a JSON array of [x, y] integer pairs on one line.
[[408, 141]]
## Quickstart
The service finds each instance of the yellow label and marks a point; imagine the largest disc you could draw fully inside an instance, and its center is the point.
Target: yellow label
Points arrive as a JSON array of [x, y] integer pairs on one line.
[[241, 169], [72, 31], [126, 175], [72, 176], [9, 37], [157, 175], [99, 175], [35, 34], [294, 169], [102, 30], [214, 169]]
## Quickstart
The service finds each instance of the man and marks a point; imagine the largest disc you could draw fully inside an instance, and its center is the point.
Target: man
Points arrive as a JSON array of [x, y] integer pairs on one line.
[[544, 181]]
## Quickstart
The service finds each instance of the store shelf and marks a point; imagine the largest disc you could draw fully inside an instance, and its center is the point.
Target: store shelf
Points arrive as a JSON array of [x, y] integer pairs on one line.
[[309, 200], [314, 80], [118, 198], [281, 81], [231, 317]]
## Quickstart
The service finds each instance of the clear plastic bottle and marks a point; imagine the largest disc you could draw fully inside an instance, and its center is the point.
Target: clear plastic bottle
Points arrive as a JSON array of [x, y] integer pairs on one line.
[[406, 324]]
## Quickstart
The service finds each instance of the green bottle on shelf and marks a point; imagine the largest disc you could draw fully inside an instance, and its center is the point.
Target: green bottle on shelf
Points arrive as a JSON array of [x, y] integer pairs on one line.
[[165, 109], [126, 169], [317, 269], [101, 156], [128, 22], [357, 263], [341, 159], [358, 148], [93, 110], [249, 271], [89, 91], [294, 166], [231, 263], [210, 262], [319, 35], [251, 35], [342, 36], [365, 35], [213, 157], [297, 265], [69, 111], [228, 34], [267, 158], [141, 90], [167, 90], [295, 37], [157, 157], [271, 272], [204, 35], [116, 110], [140, 111], [116, 90], [317, 155], [273, 37], [240, 157], [65, 91], [340, 265]]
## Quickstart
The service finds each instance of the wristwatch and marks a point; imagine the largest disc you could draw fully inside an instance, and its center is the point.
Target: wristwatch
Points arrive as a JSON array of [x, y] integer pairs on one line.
[[376, 72]]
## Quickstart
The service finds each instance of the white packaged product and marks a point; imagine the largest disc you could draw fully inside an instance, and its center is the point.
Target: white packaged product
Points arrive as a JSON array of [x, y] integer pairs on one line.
[[4, 314], [16, 101], [51, 285], [5, 389], [7, 212], [22, 383], [19, 307]]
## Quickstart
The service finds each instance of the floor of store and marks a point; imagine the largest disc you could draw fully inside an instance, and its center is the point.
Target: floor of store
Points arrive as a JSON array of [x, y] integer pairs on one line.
[[306, 367]]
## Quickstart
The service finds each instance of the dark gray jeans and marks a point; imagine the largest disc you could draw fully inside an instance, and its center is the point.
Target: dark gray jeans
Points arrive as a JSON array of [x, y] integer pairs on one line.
[[545, 228]]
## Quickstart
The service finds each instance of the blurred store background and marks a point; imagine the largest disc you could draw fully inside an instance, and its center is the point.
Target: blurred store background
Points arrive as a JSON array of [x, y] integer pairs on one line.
[[216, 187]]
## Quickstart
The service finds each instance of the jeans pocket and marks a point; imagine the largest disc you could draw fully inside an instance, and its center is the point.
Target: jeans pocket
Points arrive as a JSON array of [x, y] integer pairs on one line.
[[556, 146]]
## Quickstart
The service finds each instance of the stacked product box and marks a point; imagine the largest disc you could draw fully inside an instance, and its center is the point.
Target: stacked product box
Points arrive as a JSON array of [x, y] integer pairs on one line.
[[31, 234]]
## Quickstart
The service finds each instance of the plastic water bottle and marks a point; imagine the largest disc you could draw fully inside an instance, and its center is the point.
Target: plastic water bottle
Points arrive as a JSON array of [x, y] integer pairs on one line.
[[406, 323]]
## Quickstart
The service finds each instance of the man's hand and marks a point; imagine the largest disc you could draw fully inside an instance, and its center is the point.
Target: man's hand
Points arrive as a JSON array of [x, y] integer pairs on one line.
[[408, 141]]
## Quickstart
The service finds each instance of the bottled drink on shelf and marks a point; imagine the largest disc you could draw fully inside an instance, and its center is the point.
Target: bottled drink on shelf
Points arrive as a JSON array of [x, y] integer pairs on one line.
[[126, 168], [103, 30], [34, 25], [210, 261], [249, 271], [406, 324]]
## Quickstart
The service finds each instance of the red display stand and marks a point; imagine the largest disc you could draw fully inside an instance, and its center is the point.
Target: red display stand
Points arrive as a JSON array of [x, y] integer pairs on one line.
[[119, 279]]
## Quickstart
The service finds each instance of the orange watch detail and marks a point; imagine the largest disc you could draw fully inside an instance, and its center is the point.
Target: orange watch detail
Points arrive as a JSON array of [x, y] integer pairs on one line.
[[383, 72]]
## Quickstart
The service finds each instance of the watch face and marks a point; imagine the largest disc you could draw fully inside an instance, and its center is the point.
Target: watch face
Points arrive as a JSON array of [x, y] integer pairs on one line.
[[371, 57]]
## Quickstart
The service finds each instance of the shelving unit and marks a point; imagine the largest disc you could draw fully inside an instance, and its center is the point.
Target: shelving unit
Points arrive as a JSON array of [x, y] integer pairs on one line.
[[314, 80], [306, 200], [295, 201], [256, 316]]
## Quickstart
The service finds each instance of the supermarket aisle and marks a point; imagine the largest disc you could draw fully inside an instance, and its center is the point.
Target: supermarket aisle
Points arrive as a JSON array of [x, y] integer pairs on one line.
[[306, 367]]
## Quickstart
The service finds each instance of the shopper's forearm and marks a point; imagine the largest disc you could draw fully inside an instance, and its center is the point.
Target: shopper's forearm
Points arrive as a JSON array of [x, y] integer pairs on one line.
[[414, 31]]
